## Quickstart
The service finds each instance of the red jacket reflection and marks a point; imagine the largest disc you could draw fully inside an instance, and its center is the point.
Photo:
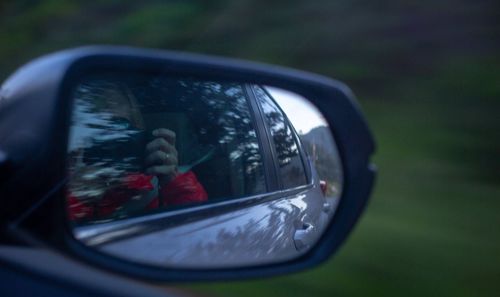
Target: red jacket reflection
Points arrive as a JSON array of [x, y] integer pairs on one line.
[[183, 189]]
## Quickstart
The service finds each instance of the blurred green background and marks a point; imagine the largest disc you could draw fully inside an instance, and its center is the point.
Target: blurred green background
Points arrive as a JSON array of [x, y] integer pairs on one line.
[[427, 75]]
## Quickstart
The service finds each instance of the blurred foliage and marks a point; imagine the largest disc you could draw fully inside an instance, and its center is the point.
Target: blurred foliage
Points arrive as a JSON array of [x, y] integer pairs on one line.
[[427, 76]]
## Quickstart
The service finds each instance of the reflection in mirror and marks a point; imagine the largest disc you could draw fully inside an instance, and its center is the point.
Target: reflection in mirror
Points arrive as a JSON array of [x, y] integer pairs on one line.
[[182, 172], [316, 139]]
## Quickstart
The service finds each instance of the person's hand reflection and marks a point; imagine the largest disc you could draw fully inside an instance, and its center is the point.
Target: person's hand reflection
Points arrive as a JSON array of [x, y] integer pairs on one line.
[[161, 156]]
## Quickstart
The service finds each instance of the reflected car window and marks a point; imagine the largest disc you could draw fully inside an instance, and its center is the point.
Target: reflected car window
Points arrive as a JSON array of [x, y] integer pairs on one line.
[[315, 136], [291, 167], [141, 144]]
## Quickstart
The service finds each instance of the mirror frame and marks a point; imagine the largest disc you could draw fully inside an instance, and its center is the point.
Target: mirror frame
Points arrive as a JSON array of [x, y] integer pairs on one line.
[[43, 89]]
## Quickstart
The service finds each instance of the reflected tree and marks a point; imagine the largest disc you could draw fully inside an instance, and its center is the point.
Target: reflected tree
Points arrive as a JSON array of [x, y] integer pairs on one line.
[[286, 147], [222, 120], [222, 148]]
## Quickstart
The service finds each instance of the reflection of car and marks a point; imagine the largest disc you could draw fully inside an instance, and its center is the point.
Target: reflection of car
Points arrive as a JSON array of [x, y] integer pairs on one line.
[[275, 222], [255, 157]]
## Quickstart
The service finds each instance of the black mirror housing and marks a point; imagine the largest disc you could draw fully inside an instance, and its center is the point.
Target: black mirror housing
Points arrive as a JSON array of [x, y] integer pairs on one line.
[[35, 116]]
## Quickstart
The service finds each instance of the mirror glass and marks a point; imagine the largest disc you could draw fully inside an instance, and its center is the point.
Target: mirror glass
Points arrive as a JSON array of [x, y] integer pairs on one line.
[[183, 172]]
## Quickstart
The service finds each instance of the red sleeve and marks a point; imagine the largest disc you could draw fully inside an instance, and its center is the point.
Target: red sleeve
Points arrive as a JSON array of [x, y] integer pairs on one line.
[[111, 200], [78, 210], [185, 188]]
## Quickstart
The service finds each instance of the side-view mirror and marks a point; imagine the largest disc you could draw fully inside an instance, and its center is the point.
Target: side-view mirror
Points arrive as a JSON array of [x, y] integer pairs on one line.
[[170, 166]]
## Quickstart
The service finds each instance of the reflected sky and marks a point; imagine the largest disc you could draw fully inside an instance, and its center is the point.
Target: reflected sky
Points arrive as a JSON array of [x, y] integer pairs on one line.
[[299, 110]]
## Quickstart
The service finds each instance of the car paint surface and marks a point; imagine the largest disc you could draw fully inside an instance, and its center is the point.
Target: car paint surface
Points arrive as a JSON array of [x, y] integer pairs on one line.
[[256, 235]]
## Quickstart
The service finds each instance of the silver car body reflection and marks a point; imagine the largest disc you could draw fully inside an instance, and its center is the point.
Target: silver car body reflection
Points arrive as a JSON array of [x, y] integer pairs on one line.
[[256, 235]]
